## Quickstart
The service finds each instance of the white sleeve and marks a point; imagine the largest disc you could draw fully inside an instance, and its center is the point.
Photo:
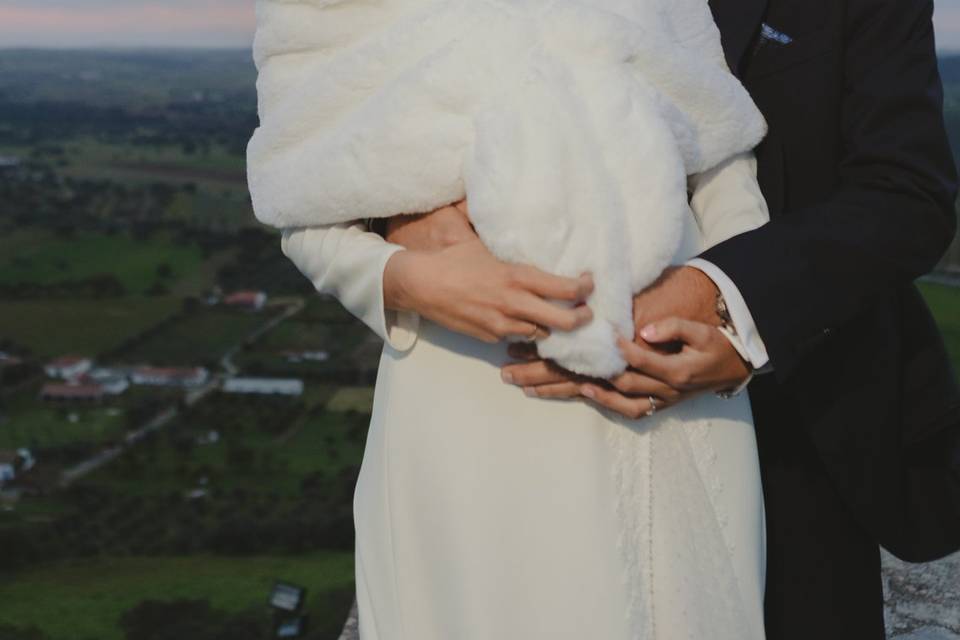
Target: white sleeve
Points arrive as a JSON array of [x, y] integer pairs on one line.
[[347, 262], [726, 202]]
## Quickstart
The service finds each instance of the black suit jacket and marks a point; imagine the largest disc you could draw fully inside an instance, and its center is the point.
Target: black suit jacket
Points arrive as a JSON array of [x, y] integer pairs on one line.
[[861, 185]]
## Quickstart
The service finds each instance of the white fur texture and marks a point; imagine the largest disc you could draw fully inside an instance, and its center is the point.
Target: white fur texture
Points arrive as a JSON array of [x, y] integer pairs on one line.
[[570, 125]]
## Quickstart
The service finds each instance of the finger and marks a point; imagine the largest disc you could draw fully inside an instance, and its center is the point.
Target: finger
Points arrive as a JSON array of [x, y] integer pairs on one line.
[[534, 374], [520, 329], [530, 308], [559, 391], [652, 363], [634, 383], [547, 285], [673, 329], [632, 408]]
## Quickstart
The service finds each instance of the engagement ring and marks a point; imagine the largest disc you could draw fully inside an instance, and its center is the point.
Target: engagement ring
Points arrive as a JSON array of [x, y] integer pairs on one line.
[[653, 406]]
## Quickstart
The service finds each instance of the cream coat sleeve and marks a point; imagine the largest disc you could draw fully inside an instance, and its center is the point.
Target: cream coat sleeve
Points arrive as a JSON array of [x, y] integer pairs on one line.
[[726, 202], [346, 261]]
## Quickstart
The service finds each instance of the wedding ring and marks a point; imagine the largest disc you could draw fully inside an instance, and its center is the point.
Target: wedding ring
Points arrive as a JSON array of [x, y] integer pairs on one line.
[[653, 405], [533, 336]]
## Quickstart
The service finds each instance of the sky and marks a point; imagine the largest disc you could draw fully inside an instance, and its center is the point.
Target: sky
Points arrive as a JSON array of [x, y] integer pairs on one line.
[[200, 23]]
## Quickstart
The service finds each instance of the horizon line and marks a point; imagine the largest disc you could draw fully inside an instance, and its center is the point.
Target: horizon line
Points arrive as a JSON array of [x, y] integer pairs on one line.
[[124, 47], [198, 47]]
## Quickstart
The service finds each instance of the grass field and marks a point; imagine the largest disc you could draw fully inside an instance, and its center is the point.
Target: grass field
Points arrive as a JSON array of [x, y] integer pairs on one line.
[[317, 440], [85, 327], [40, 426], [39, 256], [83, 600], [944, 302], [202, 337]]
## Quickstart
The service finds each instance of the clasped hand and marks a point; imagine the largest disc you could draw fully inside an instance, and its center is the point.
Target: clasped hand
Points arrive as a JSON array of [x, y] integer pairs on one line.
[[450, 277]]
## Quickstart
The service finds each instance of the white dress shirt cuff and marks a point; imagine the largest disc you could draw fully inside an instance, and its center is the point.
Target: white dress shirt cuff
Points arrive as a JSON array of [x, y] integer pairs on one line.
[[750, 346]]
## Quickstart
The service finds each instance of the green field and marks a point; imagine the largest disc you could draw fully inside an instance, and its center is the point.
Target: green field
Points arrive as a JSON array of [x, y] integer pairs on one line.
[[316, 439], [201, 337], [944, 302], [83, 600], [52, 328], [38, 427], [323, 325], [40, 256]]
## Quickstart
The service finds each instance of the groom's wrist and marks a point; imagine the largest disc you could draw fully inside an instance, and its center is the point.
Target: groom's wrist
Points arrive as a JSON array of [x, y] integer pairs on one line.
[[682, 292]]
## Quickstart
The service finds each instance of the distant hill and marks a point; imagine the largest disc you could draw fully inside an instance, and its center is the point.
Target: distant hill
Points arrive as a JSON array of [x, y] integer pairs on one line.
[[133, 80], [950, 68]]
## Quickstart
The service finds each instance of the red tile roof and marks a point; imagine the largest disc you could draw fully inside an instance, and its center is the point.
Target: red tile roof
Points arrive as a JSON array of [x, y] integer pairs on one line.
[[66, 361], [59, 390], [243, 297]]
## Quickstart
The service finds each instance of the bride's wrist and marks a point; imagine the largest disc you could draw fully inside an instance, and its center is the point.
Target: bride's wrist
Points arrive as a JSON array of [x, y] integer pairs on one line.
[[399, 280]]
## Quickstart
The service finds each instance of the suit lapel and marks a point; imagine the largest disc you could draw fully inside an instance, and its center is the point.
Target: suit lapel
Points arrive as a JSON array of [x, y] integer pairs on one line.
[[738, 21]]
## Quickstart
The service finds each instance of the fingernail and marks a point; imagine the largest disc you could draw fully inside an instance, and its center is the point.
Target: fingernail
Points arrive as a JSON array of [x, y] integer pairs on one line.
[[506, 376], [649, 332], [588, 392], [530, 391]]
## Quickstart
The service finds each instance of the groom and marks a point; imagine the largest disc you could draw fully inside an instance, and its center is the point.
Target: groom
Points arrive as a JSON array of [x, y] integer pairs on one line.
[[856, 406]]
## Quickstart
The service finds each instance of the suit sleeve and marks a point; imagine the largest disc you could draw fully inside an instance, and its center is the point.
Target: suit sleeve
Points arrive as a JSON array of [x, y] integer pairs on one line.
[[891, 215], [347, 262]]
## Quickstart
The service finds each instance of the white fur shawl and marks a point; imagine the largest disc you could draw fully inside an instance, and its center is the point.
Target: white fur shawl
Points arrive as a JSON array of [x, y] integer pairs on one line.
[[570, 125]]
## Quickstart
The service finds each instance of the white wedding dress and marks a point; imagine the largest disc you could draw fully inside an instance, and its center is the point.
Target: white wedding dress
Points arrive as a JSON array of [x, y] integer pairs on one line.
[[482, 514]]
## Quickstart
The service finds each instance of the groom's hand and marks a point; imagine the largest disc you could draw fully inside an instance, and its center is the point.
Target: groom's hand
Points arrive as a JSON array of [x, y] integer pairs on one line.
[[679, 352], [432, 231], [680, 292], [701, 359]]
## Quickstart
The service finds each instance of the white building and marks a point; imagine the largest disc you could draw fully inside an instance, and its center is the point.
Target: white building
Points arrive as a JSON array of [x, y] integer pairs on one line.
[[68, 367], [14, 462], [296, 357], [113, 381], [264, 386], [187, 378]]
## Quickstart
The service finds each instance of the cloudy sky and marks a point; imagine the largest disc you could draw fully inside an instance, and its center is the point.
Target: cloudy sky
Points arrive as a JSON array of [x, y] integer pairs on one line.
[[210, 23]]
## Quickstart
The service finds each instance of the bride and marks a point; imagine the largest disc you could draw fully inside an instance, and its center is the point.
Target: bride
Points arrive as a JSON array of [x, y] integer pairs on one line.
[[480, 512]]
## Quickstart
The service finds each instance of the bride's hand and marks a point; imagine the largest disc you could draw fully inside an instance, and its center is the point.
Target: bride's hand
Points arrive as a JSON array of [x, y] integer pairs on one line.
[[464, 288]]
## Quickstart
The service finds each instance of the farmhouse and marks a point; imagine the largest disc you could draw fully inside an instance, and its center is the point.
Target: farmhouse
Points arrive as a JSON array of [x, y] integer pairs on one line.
[[264, 386], [7, 162], [9, 360], [113, 381], [72, 392], [186, 378], [68, 367], [253, 300]]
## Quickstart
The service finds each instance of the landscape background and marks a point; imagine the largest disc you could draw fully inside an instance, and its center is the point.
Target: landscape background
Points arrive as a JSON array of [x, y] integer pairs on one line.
[[168, 511]]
